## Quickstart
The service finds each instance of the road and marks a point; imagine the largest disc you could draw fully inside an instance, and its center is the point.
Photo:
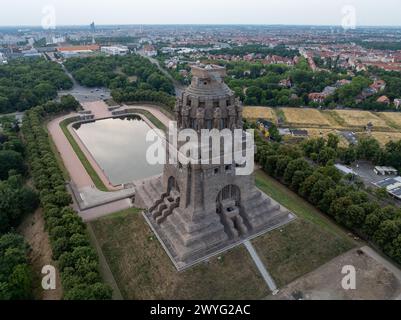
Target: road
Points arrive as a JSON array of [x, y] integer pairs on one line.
[[179, 88], [84, 94]]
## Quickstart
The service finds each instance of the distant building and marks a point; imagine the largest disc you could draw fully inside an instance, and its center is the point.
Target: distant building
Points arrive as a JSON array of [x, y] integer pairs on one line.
[[31, 53], [93, 47], [72, 51], [317, 97], [385, 171], [3, 59], [392, 185], [115, 50], [345, 170], [397, 103], [149, 50], [299, 133], [384, 100], [285, 83], [378, 85]]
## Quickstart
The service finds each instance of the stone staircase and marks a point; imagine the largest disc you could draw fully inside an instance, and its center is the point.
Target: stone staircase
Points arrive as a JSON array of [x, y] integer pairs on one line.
[[164, 207], [148, 193]]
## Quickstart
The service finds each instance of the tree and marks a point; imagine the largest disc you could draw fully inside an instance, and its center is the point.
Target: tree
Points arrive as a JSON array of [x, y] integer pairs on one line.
[[15, 275], [10, 160], [293, 166], [325, 155], [333, 141]]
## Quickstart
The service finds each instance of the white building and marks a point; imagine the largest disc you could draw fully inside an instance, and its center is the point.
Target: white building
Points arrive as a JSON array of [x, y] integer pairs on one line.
[[385, 171], [115, 50], [345, 170], [3, 59], [392, 185]]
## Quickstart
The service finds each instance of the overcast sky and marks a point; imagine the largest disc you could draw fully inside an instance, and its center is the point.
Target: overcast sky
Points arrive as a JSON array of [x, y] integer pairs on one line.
[[82, 12]]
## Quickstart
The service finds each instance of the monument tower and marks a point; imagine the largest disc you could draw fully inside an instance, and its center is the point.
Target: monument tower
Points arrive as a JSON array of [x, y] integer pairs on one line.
[[196, 209]]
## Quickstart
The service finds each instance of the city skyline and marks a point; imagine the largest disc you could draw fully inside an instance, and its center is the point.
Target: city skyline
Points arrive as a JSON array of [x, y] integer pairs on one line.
[[255, 12]]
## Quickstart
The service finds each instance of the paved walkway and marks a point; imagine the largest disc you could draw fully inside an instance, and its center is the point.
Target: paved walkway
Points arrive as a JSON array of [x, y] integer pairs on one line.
[[156, 112], [261, 267], [71, 161]]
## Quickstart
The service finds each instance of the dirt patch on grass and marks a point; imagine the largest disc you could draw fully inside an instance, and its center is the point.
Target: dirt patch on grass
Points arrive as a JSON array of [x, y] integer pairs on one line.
[[143, 270], [33, 230], [297, 249], [373, 281]]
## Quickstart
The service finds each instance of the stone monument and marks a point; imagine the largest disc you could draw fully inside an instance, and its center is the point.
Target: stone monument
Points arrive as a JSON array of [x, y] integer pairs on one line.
[[198, 210]]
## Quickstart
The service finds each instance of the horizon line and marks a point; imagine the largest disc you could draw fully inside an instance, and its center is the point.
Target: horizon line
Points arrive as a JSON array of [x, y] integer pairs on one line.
[[199, 24]]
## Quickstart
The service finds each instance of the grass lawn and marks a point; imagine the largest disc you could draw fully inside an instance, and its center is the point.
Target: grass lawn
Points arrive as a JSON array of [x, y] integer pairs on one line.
[[88, 167], [298, 249], [296, 204], [303, 245], [143, 270]]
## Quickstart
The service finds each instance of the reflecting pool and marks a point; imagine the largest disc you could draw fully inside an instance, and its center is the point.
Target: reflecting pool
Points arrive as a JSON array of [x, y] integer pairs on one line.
[[119, 147]]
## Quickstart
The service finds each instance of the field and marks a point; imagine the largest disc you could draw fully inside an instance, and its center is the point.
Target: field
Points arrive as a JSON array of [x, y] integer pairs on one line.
[[357, 118], [143, 270], [386, 137], [254, 113], [305, 117], [392, 118]]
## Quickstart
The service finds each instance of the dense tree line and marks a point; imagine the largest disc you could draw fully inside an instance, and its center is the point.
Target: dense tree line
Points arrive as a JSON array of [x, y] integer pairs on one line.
[[380, 45], [280, 50], [16, 200], [131, 78], [25, 83], [77, 260], [320, 183]]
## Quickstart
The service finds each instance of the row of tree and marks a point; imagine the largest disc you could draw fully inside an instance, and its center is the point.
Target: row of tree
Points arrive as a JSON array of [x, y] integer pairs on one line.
[[77, 260], [16, 200], [326, 188], [25, 83]]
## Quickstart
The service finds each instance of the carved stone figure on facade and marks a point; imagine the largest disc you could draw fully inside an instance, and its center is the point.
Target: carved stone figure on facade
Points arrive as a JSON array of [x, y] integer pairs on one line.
[[200, 119], [240, 122], [185, 121], [177, 112], [232, 117], [217, 119]]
